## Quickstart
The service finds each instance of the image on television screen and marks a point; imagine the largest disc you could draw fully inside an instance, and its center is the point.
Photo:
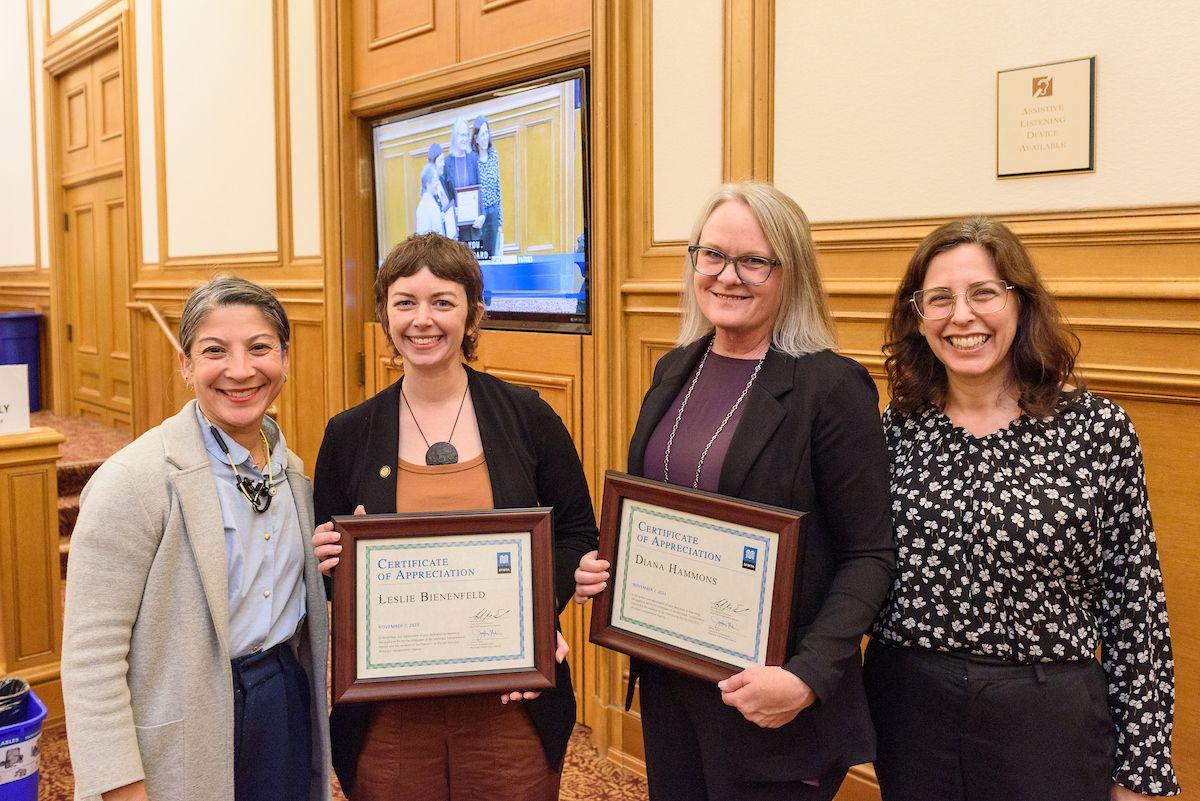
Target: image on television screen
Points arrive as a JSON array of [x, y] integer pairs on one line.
[[505, 173]]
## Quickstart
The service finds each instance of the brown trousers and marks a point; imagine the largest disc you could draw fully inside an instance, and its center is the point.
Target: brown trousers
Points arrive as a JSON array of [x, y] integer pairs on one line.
[[463, 748]]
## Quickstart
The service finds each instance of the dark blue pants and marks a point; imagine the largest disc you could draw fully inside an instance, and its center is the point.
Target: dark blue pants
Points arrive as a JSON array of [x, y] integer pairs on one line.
[[272, 730]]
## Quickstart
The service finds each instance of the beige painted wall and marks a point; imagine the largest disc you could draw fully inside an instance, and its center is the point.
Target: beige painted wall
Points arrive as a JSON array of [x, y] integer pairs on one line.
[[881, 112], [18, 232], [65, 12], [218, 84], [686, 81], [147, 123], [305, 142]]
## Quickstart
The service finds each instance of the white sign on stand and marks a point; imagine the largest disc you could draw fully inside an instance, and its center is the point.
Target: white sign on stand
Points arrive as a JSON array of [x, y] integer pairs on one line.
[[14, 398]]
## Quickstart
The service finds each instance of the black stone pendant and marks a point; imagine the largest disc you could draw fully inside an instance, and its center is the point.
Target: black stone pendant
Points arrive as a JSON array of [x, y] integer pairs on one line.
[[441, 453]]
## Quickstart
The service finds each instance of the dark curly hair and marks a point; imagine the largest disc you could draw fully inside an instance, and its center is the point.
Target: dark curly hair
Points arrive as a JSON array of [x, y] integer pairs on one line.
[[1043, 351], [446, 258]]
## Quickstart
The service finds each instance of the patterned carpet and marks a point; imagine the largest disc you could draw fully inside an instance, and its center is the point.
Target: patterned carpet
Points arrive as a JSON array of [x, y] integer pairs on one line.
[[586, 777], [88, 444]]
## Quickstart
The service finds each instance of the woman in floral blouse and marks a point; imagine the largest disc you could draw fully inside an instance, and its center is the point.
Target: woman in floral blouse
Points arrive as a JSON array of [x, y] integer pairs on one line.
[[490, 200], [1024, 544]]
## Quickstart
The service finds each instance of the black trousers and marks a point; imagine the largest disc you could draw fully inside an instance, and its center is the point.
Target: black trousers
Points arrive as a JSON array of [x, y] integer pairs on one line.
[[686, 757], [954, 727], [272, 729]]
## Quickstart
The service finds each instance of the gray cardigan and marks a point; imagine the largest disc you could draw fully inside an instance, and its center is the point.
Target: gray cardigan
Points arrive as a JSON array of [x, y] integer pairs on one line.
[[145, 669]]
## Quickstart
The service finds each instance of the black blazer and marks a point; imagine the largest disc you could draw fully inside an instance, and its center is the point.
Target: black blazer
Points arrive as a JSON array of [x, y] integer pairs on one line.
[[810, 439], [531, 461]]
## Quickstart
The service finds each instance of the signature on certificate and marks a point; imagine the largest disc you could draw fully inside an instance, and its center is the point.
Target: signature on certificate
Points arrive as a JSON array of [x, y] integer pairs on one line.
[[491, 614], [726, 605]]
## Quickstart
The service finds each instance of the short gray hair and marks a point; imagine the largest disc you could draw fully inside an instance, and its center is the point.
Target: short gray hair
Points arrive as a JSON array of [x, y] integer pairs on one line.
[[804, 323], [230, 290]]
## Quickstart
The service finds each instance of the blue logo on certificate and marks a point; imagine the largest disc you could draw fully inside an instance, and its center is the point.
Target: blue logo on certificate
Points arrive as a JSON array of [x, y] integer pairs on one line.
[[749, 557], [504, 562]]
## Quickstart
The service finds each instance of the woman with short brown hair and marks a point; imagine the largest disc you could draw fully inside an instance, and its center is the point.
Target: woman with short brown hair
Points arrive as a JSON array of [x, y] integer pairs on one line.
[[1024, 544], [445, 437]]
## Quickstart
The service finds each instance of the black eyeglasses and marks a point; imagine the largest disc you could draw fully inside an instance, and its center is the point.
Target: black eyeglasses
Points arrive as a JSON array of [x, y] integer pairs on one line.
[[749, 269]]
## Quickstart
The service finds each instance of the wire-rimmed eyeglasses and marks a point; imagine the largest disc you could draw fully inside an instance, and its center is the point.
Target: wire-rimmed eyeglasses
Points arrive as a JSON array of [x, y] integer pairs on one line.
[[750, 269], [983, 297]]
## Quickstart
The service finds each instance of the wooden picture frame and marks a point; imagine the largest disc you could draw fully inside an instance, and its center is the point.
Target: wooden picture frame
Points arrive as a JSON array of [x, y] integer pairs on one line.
[[722, 518], [452, 528]]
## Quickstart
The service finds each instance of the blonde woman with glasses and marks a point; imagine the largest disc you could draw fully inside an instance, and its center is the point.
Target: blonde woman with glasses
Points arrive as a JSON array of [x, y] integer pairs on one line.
[[755, 404], [1025, 544]]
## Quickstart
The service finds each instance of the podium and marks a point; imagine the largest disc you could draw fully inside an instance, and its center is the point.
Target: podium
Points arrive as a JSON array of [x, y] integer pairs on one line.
[[30, 580]]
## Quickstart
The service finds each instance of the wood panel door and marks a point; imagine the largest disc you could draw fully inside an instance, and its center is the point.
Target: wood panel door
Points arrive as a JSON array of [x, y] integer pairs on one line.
[[95, 240]]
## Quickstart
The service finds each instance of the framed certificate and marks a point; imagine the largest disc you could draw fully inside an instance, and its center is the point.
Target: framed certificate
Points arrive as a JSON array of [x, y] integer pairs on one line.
[[443, 604], [466, 201], [699, 583]]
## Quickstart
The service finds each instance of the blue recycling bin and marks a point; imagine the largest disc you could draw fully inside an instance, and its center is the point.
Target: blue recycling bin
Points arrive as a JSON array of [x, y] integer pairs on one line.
[[20, 752], [20, 343]]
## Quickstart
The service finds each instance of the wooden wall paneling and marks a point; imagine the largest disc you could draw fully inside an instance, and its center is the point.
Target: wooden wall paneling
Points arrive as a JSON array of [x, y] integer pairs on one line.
[[301, 404], [749, 118], [414, 81], [30, 584], [394, 39], [283, 138], [487, 27], [339, 296]]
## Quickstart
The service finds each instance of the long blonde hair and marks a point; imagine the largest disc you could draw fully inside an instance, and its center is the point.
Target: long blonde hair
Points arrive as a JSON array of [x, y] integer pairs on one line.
[[803, 324]]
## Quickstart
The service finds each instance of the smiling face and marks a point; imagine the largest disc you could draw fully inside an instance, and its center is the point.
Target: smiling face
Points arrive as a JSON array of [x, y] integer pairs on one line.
[[237, 366], [460, 138], [974, 347], [427, 320], [483, 137], [744, 314]]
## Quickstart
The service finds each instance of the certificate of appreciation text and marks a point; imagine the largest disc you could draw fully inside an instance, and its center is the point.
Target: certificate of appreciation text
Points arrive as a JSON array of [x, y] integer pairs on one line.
[[694, 582], [438, 605]]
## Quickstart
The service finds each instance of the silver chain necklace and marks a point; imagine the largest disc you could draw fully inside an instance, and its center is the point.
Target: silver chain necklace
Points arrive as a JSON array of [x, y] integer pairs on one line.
[[682, 406]]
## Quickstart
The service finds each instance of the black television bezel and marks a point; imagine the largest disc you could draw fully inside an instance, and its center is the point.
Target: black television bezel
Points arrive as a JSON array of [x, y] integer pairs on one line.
[[516, 321]]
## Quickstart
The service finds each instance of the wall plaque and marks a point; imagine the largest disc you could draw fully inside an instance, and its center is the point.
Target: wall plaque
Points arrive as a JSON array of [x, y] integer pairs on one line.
[[1045, 119]]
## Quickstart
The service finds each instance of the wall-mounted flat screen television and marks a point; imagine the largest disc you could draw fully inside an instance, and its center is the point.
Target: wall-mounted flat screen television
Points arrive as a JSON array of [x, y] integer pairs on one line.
[[506, 173]]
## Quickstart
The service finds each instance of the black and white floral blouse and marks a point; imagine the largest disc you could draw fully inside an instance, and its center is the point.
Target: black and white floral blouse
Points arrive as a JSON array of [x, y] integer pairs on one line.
[[1035, 544]]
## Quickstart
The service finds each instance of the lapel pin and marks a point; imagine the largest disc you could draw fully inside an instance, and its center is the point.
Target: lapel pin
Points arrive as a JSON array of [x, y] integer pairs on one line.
[[385, 471]]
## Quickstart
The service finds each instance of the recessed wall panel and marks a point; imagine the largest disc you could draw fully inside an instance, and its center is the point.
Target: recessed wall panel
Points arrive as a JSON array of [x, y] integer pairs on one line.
[[687, 86], [38, 11], [303, 125], [64, 12], [147, 130], [18, 234], [882, 112], [218, 78]]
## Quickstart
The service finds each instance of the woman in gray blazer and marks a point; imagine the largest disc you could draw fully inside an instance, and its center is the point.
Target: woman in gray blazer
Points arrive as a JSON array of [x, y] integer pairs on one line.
[[194, 642]]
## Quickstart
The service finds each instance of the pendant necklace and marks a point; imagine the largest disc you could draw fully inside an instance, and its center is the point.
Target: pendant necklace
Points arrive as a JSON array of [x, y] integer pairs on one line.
[[720, 428], [438, 453], [258, 493]]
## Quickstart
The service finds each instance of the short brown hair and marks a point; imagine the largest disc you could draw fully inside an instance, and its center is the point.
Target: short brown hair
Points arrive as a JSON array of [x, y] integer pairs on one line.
[[446, 258], [1043, 351]]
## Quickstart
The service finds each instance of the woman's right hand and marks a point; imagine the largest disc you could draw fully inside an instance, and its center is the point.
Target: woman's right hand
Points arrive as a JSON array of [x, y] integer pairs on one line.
[[130, 792], [591, 577], [325, 544]]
